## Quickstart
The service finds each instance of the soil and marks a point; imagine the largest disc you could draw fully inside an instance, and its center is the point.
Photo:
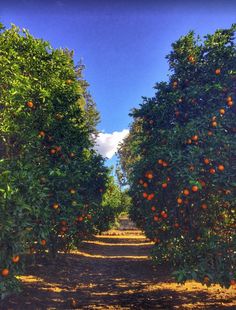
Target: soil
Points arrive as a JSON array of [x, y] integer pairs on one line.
[[112, 271]]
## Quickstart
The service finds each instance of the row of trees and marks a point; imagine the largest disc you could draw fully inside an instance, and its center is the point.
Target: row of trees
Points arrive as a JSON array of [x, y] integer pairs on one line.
[[179, 160], [54, 186]]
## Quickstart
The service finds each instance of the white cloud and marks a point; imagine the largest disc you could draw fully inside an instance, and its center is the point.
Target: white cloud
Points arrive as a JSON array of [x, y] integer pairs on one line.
[[107, 143]]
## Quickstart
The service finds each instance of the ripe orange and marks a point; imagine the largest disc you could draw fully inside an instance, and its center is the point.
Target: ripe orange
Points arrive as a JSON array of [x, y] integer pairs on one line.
[[153, 208], [41, 134], [79, 218], [229, 98], [222, 111], [204, 206], [221, 168], [217, 72], [210, 133], [214, 124], [150, 197], [155, 218], [212, 171], [206, 161], [164, 164], [160, 161], [189, 141], [52, 151], [30, 104], [164, 214], [43, 242], [180, 201], [149, 175], [230, 104], [15, 259], [145, 195], [55, 205], [186, 192], [203, 183], [176, 225], [164, 185], [195, 138], [191, 59], [145, 184], [5, 272], [194, 188]]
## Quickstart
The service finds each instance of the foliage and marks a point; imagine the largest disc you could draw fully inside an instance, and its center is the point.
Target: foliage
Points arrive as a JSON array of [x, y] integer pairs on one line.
[[180, 161], [52, 181]]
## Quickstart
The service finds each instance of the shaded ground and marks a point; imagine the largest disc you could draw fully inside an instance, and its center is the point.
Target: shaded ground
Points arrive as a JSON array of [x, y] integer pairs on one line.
[[112, 271]]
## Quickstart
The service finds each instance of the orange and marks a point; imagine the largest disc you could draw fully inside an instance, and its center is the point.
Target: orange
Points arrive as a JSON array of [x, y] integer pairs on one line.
[[186, 192], [206, 161], [179, 200], [153, 208], [5, 272], [155, 218], [15, 259], [164, 214], [160, 161], [145, 184], [194, 188], [222, 111], [55, 205], [204, 206], [52, 151], [214, 124], [164, 164], [191, 59], [176, 225], [195, 138], [80, 218], [210, 133], [230, 104], [221, 168], [212, 171], [43, 242], [42, 134], [229, 98], [145, 195], [164, 185], [149, 175], [217, 72], [30, 104]]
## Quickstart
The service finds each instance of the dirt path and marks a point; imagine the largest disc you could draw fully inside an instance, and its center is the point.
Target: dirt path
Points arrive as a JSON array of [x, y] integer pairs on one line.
[[112, 271]]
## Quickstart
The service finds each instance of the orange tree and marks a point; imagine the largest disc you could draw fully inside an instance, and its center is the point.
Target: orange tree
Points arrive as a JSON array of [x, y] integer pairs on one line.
[[180, 161], [51, 179]]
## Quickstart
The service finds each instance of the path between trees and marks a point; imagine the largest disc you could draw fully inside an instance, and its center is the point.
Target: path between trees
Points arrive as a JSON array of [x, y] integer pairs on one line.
[[112, 271]]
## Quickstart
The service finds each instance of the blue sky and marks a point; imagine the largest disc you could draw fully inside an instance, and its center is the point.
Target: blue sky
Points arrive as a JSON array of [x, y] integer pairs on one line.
[[123, 44]]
